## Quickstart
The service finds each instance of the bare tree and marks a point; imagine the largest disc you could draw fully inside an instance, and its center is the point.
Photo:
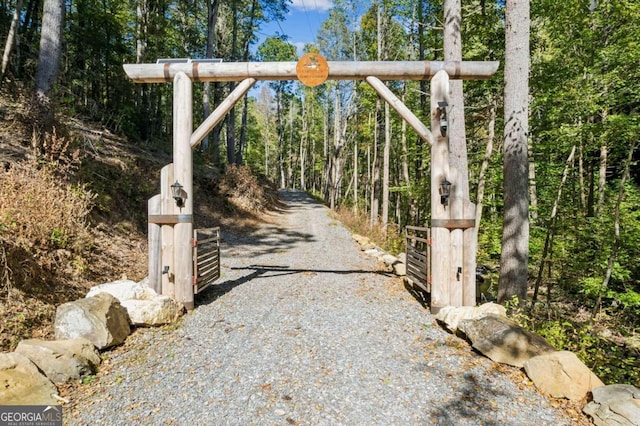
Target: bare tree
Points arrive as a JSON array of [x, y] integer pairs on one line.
[[11, 39], [514, 258], [51, 38]]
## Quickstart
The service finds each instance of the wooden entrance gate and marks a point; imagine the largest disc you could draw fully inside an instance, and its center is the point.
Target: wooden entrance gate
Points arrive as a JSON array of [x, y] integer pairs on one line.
[[418, 250], [453, 245]]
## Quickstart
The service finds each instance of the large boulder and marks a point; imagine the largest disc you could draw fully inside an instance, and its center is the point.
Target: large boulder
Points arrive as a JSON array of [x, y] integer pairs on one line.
[[502, 340], [124, 290], [160, 310], [143, 305], [561, 375], [21, 383], [450, 316], [62, 361], [615, 405], [101, 319]]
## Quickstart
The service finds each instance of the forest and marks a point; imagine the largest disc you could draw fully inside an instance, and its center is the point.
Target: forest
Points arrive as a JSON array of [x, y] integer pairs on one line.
[[340, 142]]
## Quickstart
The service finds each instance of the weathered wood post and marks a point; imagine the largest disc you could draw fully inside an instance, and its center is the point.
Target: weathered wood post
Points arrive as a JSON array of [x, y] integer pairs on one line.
[[154, 241], [168, 208], [183, 174], [440, 259]]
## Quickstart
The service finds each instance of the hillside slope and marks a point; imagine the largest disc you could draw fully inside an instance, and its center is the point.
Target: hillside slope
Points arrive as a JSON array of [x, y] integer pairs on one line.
[[76, 216]]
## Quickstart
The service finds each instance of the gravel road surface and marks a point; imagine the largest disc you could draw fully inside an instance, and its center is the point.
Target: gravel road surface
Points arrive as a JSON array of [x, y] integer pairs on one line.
[[304, 329]]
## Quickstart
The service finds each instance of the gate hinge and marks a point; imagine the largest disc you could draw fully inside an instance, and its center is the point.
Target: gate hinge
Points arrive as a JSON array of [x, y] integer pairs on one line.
[[429, 241], [194, 281], [194, 242]]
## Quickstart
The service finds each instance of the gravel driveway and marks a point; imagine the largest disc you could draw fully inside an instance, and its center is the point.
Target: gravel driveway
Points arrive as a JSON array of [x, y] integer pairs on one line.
[[304, 329]]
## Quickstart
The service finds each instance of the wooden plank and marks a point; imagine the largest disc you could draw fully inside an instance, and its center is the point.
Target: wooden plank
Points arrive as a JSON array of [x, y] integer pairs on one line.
[[168, 207], [422, 240], [338, 70], [154, 241], [208, 266], [421, 256], [170, 219], [207, 258]]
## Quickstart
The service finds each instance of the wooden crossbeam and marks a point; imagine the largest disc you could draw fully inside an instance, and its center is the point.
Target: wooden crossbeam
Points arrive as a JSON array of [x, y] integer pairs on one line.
[[338, 70]]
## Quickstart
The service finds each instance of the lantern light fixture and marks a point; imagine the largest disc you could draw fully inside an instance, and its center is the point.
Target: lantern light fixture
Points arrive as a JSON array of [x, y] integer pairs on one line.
[[442, 112], [445, 192], [178, 194]]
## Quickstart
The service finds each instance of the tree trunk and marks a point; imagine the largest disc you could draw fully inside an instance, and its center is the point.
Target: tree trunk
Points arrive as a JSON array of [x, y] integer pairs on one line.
[[375, 171], [212, 18], [491, 132], [12, 37], [514, 259], [602, 179], [533, 191], [51, 39], [551, 226], [385, 167], [616, 231]]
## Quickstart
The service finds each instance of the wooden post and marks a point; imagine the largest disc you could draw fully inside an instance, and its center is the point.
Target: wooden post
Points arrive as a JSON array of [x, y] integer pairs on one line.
[[469, 259], [439, 171], [183, 173], [155, 261], [456, 266], [168, 207], [219, 113], [401, 108]]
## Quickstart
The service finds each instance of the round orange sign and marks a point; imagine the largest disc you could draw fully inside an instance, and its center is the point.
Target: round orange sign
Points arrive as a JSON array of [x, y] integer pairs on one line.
[[312, 69]]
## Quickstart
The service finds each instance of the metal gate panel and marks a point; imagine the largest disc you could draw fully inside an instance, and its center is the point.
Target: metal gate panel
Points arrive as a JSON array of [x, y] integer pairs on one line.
[[418, 250], [206, 258]]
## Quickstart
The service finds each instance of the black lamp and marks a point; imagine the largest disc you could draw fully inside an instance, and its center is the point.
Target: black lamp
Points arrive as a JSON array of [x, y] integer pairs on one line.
[[177, 193], [442, 110], [445, 191]]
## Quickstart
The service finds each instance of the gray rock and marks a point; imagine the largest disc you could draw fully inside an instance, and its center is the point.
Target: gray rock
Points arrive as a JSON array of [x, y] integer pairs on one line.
[[400, 269], [402, 257], [124, 290], [360, 239], [616, 404], [450, 316], [502, 340], [561, 375], [21, 383], [374, 252], [100, 319], [62, 361], [160, 310], [388, 259]]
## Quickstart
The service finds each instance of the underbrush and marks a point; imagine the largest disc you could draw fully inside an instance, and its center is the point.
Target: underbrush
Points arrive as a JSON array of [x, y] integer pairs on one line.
[[606, 344], [391, 241], [243, 190]]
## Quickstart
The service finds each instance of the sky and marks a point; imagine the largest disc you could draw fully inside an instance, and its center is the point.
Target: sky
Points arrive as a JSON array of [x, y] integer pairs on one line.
[[301, 24]]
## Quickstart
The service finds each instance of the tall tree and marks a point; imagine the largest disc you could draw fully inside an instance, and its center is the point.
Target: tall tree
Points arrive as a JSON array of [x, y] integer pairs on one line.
[[12, 37], [514, 258], [48, 65]]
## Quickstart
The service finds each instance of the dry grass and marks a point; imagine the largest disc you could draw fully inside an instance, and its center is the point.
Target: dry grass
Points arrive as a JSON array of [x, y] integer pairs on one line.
[[390, 240], [76, 217]]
